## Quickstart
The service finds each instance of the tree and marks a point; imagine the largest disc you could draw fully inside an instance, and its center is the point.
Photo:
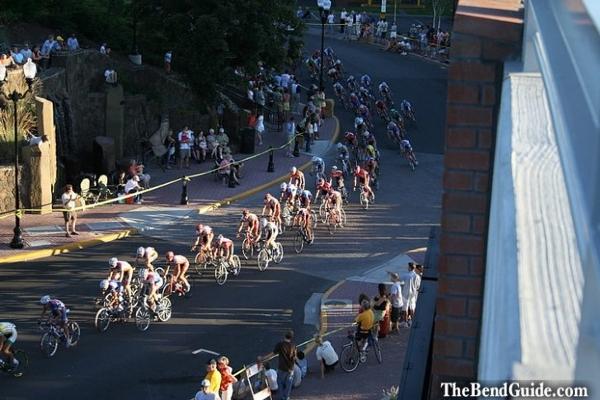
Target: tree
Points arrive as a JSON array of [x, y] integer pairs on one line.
[[439, 8]]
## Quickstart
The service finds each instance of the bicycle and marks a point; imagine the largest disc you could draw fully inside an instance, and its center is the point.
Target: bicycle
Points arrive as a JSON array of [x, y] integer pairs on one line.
[[111, 314], [53, 335], [202, 260], [248, 245], [223, 268], [364, 197], [301, 238], [352, 356], [410, 157], [17, 372], [171, 286], [266, 256], [145, 314]]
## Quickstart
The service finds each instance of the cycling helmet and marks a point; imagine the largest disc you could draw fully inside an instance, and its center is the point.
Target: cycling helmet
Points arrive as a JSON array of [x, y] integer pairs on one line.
[[357, 169], [334, 168], [169, 255], [393, 111], [293, 170], [306, 193], [316, 159], [104, 284], [44, 300], [338, 62], [113, 262], [263, 222], [392, 125], [141, 251], [359, 120], [220, 237], [339, 146], [283, 186], [362, 108], [351, 78]]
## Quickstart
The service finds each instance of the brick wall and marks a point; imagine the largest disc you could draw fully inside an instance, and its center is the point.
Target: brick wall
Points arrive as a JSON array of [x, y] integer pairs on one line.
[[485, 33]]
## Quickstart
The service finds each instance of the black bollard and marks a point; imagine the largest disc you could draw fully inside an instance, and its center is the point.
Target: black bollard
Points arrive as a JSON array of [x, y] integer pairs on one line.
[[184, 193], [271, 166], [231, 181], [296, 152]]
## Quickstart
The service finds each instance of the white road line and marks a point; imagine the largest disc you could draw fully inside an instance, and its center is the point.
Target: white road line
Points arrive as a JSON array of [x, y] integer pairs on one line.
[[204, 351]]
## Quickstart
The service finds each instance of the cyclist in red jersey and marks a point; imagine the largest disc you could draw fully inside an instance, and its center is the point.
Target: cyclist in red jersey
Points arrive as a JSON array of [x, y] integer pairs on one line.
[[361, 176], [251, 222], [323, 187], [272, 208]]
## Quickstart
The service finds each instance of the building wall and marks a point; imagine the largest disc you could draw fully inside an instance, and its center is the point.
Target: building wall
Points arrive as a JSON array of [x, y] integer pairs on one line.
[[485, 34]]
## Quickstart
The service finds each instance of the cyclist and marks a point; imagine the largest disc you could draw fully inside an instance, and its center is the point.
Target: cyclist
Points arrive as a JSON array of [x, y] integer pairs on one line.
[[323, 187], [305, 199], [336, 177], [147, 255], [362, 176], [365, 95], [180, 266], [371, 151], [365, 80], [116, 288], [329, 52], [394, 131], [407, 150], [297, 178], [339, 66], [364, 323], [332, 73], [351, 139], [153, 281], [283, 192], [8, 337], [363, 112], [351, 83], [121, 270], [318, 166], [250, 220], [406, 109], [381, 109], [384, 90], [224, 248], [268, 233], [58, 316], [302, 220], [354, 101], [338, 89], [274, 209], [334, 204], [204, 240], [359, 124]]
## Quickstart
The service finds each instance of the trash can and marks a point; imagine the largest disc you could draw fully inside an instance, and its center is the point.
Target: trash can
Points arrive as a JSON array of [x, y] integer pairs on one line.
[[248, 140]]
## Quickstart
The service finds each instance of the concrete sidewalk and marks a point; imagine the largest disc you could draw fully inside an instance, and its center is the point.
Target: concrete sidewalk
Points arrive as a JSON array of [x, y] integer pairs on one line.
[[339, 307], [44, 235]]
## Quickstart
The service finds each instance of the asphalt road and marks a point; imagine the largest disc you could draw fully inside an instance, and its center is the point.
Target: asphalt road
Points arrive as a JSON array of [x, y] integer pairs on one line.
[[247, 315]]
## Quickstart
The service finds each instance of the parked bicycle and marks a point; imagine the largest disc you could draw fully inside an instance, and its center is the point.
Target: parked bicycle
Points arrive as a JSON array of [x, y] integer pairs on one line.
[[53, 335], [353, 354]]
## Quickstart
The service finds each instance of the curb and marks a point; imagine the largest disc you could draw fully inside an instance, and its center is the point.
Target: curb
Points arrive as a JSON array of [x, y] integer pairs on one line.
[[213, 206], [30, 255]]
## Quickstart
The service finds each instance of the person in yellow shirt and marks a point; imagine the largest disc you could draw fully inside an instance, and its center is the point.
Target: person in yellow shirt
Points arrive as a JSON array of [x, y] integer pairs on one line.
[[213, 376], [365, 321]]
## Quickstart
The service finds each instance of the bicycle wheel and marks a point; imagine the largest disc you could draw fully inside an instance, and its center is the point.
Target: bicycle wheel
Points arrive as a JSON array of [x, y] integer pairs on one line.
[[102, 320], [23, 359], [74, 332], [263, 259], [344, 220], [164, 309], [142, 318], [377, 351], [322, 212], [364, 201], [331, 225], [167, 288], [350, 357], [299, 242], [278, 253], [236, 266], [247, 249], [221, 273], [49, 344], [314, 219]]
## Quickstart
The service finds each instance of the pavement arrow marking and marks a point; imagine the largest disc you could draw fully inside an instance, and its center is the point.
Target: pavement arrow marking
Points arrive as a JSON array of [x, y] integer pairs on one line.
[[204, 351]]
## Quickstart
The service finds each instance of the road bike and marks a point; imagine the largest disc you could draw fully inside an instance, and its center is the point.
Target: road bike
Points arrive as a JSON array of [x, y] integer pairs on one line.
[[119, 313], [223, 268], [364, 197], [248, 246], [265, 256], [53, 335], [334, 220], [352, 355], [301, 238], [144, 314], [286, 218], [410, 157], [23, 360]]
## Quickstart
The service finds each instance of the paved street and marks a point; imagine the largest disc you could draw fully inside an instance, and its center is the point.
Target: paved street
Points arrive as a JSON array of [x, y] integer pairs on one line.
[[246, 316]]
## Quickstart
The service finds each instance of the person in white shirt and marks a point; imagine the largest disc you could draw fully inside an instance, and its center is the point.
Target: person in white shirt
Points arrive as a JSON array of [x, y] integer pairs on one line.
[[396, 295], [326, 355], [185, 138], [260, 128], [330, 21], [409, 293], [70, 215], [104, 49], [168, 58], [110, 76], [271, 375], [72, 42], [132, 186], [343, 16], [204, 394]]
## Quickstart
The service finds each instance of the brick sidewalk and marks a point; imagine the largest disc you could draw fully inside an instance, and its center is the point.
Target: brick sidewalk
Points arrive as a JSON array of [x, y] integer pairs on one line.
[[47, 231]]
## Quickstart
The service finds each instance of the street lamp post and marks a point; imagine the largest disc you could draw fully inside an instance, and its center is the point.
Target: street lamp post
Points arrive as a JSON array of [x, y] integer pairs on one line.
[[324, 6], [29, 70]]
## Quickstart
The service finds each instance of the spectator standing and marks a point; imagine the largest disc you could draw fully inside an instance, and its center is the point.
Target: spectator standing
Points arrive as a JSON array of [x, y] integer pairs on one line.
[[213, 376], [47, 48], [104, 49], [227, 379], [204, 393], [60, 43], [26, 52], [326, 355], [330, 21], [393, 31], [72, 42], [70, 215], [349, 26], [286, 100], [396, 296], [37, 56], [343, 16], [168, 58], [185, 139], [271, 376], [381, 309], [260, 127], [384, 29], [286, 350], [300, 369]]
